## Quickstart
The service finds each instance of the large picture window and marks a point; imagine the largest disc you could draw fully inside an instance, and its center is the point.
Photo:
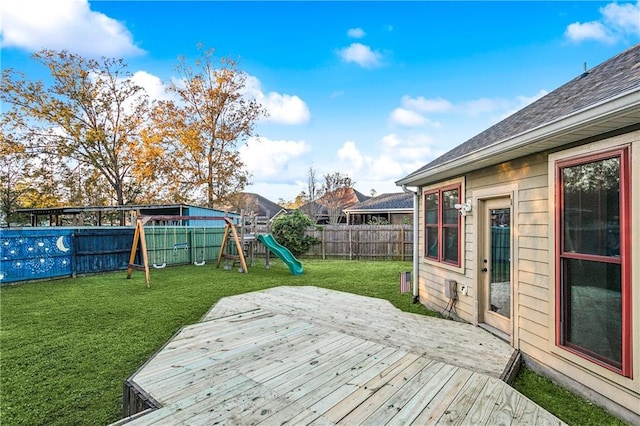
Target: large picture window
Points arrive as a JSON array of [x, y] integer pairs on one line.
[[593, 253], [442, 225]]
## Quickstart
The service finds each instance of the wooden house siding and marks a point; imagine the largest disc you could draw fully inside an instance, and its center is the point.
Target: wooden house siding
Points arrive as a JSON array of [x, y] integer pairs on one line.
[[530, 176], [533, 269], [591, 119]]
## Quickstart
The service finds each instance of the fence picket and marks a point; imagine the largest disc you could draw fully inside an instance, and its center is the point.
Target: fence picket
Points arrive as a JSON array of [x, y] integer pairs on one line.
[[32, 253], [362, 242]]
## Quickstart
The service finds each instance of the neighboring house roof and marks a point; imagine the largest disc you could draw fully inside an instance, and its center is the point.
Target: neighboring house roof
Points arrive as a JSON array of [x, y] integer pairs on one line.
[[343, 197], [256, 204], [384, 202], [603, 99]]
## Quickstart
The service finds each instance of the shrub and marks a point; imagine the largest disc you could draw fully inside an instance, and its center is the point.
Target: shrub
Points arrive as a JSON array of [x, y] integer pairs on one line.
[[289, 230]]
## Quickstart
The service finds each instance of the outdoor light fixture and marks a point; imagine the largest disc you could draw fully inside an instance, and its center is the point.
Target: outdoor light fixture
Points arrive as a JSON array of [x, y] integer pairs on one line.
[[463, 208]]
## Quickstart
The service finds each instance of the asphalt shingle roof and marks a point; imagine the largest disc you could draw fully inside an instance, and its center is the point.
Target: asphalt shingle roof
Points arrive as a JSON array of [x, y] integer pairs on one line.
[[388, 201], [613, 77]]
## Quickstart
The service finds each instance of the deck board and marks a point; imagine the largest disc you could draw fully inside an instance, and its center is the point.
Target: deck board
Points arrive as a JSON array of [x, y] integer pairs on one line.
[[304, 355], [375, 319]]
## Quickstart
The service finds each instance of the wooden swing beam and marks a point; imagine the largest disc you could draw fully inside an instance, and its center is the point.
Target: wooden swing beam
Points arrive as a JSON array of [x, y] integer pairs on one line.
[[140, 238]]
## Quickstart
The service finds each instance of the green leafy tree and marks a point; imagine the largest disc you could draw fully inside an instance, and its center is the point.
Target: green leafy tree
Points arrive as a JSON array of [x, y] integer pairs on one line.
[[289, 230]]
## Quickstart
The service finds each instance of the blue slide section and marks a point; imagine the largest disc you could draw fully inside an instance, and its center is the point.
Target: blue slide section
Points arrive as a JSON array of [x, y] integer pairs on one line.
[[282, 252]]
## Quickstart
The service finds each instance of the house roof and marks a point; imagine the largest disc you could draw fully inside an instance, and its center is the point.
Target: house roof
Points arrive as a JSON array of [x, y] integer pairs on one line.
[[346, 197], [603, 99], [254, 204], [384, 202]]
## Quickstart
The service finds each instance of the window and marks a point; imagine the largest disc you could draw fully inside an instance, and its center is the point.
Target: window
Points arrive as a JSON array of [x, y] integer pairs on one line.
[[442, 225], [593, 258]]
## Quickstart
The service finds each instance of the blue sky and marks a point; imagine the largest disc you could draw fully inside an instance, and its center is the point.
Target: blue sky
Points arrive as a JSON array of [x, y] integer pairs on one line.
[[373, 90]]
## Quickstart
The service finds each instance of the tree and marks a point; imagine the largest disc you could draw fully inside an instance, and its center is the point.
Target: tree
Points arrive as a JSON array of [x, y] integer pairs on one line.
[[15, 170], [289, 230], [334, 188], [46, 183], [91, 114], [195, 138], [312, 208]]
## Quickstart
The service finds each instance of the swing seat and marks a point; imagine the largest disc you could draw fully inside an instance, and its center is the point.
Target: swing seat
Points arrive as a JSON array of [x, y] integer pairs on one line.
[[199, 263], [159, 266]]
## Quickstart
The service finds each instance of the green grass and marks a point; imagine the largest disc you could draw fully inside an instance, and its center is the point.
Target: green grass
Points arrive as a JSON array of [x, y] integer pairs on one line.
[[565, 405], [67, 345]]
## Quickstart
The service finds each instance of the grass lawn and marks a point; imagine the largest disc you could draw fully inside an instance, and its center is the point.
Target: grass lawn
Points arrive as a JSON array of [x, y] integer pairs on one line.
[[67, 345]]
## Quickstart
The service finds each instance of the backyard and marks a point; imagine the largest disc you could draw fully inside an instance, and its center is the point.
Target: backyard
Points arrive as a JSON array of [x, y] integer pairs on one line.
[[68, 345]]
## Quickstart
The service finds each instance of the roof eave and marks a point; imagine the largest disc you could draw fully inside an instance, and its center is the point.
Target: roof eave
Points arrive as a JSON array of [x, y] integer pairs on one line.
[[392, 210], [612, 114]]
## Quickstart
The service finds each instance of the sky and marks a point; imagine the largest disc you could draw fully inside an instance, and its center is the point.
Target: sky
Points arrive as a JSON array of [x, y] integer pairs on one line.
[[373, 90]]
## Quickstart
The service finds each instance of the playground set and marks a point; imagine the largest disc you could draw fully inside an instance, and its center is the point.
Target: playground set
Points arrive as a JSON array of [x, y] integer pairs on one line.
[[236, 246]]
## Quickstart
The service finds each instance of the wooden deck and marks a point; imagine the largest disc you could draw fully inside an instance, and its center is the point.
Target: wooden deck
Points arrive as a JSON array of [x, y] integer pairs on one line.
[[304, 355]]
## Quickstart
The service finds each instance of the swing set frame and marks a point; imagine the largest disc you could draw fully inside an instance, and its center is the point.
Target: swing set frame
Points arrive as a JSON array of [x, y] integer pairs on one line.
[[139, 239]]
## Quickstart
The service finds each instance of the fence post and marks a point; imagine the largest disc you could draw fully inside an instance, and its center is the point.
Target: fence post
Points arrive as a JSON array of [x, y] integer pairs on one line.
[[323, 243], [74, 251], [401, 231]]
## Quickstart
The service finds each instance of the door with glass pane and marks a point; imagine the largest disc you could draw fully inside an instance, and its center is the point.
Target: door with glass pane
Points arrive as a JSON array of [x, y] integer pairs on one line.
[[495, 267]]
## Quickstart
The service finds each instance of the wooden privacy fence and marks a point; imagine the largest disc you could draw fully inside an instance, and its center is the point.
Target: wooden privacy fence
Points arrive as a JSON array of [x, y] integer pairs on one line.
[[362, 242], [176, 245], [42, 253]]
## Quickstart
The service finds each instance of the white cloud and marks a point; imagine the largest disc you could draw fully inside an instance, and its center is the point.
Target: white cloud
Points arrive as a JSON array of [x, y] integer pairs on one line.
[[411, 112], [407, 118], [618, 22], [282, 108], [270, 160], [152, 84], [64, 25], [361, 55], [396, 157], [349, 152], [624, 19], [356, 33], [285, 109], [588, 31], [390, 141], [413, 149], [426, 105]]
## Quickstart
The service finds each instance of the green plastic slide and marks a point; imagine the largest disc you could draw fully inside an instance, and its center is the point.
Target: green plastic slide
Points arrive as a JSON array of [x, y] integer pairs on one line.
[[282, 252]]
